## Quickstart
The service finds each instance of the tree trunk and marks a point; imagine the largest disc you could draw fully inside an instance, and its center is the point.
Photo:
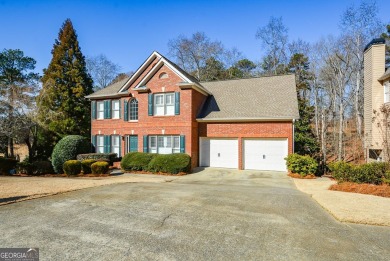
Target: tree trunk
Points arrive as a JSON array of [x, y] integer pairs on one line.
[[323, 136], [341, 127], [11, 153]]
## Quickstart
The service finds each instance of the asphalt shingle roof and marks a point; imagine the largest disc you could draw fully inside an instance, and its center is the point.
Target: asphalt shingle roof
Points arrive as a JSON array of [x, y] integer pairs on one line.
[[271, 97], [110, 90]]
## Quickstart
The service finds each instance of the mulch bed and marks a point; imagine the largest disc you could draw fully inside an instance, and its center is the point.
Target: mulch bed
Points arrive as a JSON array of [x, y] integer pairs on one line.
[[297, 176], [376, 190], [155, 173]]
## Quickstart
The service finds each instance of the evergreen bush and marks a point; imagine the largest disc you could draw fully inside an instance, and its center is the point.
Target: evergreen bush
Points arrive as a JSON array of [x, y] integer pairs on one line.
[[171, 163], [302, 165], [72, 167], [137, 161], [67, 149], [99, 167], [86, 166]]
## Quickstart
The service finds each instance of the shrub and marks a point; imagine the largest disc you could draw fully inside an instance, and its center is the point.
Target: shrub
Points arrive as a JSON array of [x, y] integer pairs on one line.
[[369, 173], [72, 167], [99, 167], [373, 173], [171, 163], [42, 167], [86, 165], [109, 157], [302, 165], [67, 149], [35, 168], [25, 167], [7, 164], [137, 161], [341, 170]]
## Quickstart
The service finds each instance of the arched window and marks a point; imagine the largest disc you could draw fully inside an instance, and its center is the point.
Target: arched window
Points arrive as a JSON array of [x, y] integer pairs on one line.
[[133, 110], [163, 75]]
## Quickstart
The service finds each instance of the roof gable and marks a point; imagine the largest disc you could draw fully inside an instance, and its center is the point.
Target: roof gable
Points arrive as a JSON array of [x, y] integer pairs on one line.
[[161, 60]]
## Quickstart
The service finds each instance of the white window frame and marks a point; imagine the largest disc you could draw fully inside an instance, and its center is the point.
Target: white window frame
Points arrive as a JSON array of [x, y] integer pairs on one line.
[[115, 111], [116, 148], [100, 110], [133, 110], [99, 144], [168, 107], [164, 144], [386, 92]]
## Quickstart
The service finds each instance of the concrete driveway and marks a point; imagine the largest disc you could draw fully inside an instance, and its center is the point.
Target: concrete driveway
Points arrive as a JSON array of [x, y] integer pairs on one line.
[[213, 214]]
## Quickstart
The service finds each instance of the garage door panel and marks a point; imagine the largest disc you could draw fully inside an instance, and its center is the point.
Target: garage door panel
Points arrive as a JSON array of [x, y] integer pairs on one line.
[[222, 153], [265, 154]]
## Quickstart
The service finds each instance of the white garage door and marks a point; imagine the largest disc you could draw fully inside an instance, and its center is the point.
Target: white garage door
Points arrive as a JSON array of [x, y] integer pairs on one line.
[[220, 153], [265, 154]]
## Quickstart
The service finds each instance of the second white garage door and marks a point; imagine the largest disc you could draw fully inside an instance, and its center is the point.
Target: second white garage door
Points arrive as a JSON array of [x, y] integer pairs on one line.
[[265, 154], [220, 153]]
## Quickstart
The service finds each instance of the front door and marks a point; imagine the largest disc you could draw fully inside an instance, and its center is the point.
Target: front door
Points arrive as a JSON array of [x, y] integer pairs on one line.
[[133, 143]]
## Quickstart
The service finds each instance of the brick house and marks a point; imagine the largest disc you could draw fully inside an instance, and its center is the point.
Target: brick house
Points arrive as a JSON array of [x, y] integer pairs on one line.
[[376, 94], [244, 124]]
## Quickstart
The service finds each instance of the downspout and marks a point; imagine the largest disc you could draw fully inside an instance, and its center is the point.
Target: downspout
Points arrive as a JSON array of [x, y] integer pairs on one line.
[[293, 134]]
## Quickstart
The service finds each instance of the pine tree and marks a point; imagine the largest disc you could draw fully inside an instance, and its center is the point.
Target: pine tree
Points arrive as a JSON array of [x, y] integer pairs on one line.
[[386, 36], [305, 140], [63, 110]]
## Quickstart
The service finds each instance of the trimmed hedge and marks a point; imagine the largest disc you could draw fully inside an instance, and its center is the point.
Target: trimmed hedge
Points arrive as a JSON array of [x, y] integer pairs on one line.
[[302, 165], [109, 157], [168, 163], [137, 161], [99, 167], [171, 163], [373, 173], [42, 167], [86, 166], [72, 167], [7, 164], [67, 149], [35, 168]]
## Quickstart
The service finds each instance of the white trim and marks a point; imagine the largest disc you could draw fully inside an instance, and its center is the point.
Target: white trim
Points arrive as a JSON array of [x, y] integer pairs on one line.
[[140, 70], [386, 92], [242, 119], [160, 63], [197, 87]]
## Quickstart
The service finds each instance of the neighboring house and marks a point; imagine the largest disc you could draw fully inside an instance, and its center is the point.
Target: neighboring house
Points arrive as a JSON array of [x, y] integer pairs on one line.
[[376, 94], [242, 124]]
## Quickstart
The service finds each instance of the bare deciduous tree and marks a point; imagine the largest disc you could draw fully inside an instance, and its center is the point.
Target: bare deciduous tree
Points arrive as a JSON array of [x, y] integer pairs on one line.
[[102, 70], [274, 38], [191, 53], [359, 24]]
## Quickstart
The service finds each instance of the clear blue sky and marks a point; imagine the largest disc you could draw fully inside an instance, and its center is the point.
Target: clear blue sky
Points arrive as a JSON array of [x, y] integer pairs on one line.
[[128, 31]]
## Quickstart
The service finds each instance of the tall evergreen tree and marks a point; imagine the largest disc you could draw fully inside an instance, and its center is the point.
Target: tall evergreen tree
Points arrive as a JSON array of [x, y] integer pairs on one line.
[[18, 88], [386, 36], [61, 103], [305, 140]]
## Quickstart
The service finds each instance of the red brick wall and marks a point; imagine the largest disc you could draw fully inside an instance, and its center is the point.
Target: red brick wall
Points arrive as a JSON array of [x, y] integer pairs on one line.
[[183, 124], [242, 130]]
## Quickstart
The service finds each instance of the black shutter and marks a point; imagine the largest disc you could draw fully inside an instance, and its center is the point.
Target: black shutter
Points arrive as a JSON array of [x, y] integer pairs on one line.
[[93, 141], [146, 145], [182, 144], [125, 110], [150, 104], [177, 103], [93, 109]]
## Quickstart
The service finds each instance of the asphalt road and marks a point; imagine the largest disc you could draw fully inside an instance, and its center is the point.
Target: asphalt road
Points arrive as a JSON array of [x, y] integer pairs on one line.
[[211, 215]]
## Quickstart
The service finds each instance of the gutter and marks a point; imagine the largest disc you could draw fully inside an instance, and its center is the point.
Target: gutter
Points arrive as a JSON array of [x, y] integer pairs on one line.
[[243, 119], [293, 136]]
